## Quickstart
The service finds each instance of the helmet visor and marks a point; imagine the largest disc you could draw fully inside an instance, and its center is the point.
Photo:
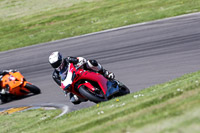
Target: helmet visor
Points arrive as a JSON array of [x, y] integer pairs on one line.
[[56, 64]]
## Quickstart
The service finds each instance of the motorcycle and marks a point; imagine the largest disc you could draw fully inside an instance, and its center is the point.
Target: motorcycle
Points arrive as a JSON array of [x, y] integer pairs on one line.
[[89, 85], [15, 85]]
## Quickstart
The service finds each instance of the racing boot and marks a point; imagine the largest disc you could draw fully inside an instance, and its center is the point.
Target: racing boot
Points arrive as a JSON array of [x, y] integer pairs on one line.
[[107, 74]]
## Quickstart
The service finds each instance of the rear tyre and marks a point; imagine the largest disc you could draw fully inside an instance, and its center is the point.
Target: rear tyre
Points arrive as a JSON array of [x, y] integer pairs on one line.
[[32, 88], [90, 95], [123, 89]]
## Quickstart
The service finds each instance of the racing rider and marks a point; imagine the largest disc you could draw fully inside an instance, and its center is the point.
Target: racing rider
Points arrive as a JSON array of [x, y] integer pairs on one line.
[[2, 73], [57, 62]]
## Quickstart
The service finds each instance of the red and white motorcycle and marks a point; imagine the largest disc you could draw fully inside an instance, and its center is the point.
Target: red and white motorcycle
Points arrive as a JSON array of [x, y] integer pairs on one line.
[[90, 85]]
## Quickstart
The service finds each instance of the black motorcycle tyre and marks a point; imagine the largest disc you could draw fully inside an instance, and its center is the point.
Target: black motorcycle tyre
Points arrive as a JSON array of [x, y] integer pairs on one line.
[[32, 88], [124, 90], [90, 96], [5, 98]]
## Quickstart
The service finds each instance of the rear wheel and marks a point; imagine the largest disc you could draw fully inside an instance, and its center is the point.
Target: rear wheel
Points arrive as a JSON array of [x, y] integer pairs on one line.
[[123, 89], [90, 95], [32, 88]]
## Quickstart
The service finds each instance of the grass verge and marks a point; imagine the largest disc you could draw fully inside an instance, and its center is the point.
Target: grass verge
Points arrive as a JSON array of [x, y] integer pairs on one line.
[[24, 23], [170, 107]]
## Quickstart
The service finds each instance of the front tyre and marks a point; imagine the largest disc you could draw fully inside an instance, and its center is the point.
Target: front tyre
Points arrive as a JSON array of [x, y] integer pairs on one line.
[[90, 95], [32, 88], [5, 98]]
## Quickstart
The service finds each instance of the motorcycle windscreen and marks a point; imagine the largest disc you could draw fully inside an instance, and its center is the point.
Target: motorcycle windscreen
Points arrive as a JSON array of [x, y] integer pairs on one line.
[[63, 73], [66, 77]]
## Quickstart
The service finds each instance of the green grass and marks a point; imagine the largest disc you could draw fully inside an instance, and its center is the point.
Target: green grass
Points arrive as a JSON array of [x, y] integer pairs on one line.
[[171, 107], [24, 23]]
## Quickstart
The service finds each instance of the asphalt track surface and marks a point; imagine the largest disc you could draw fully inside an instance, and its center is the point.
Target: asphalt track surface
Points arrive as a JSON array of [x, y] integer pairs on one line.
[[140, 55]]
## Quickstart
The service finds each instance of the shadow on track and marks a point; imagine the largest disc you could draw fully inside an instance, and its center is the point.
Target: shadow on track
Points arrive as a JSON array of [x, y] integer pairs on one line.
[[15, 98]]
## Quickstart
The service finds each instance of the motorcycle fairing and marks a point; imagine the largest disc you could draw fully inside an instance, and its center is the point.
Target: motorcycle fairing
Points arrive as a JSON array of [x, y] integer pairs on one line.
[[66, 76], [16, 83], [88, 85], [10, 80], [112, 88], [69, 77], [96, 77]]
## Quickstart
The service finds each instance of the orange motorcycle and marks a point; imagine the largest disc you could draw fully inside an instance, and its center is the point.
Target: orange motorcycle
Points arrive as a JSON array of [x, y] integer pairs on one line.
[[13, 85]]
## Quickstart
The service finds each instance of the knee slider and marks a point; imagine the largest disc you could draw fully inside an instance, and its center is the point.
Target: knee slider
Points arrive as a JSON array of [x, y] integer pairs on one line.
[[94, 65], [93, 62]]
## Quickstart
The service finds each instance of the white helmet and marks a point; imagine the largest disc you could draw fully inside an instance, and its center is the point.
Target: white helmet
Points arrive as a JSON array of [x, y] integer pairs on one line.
[[55, 59]]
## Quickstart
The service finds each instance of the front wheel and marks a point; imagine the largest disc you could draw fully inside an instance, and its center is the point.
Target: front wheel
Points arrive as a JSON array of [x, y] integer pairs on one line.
[[32, 88], [5, 98], [90, 95]]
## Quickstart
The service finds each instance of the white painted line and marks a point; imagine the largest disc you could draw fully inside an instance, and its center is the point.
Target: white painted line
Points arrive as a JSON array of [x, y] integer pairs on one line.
[[65, 110]]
